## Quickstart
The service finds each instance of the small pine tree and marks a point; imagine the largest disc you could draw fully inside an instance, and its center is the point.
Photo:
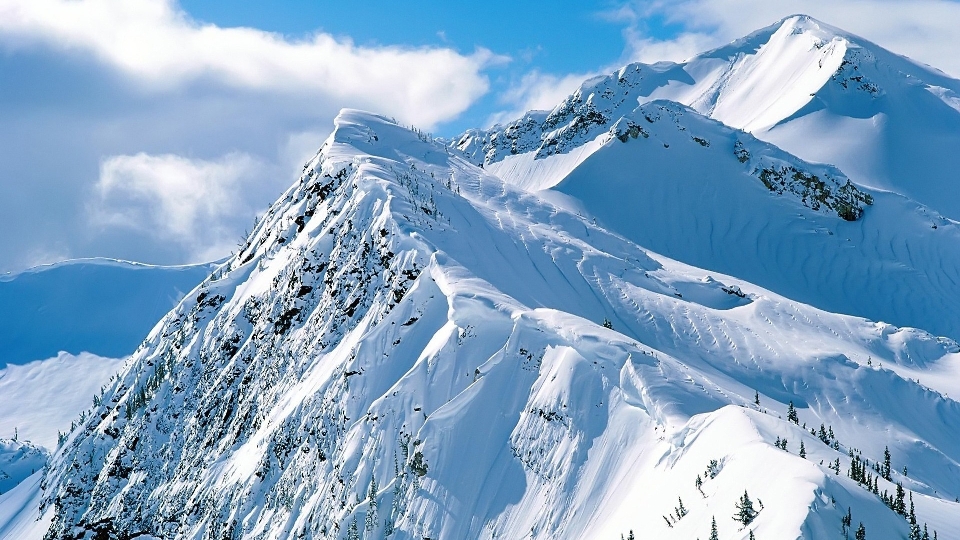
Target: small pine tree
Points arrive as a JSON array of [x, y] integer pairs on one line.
[[630, 535], [846, 521], [370, 522], [745, 510], [607, 323], [886, 463], [751, 537], [792, 414], [714, 535], [353, 533], [681, 511], [756, 398], [803, 450], [861, 533], [899, 503]]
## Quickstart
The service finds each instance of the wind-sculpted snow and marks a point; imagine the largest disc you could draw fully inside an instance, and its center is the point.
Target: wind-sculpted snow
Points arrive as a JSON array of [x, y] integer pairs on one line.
[[408, 347]]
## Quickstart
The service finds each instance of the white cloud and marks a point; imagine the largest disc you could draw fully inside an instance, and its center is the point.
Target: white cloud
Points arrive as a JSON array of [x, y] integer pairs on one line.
[[925, 30], [196, 203], [156, 43]]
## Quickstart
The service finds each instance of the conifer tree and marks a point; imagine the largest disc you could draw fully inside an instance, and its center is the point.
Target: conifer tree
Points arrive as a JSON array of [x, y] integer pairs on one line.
[[714, 535], [756, 398], [681, 511], [751, 537], [886, 463], [846, 521], [352, 532], [792, 414], [861, 533], [371, 520], [745, 510], [630, 535], [899, 504], [803, 451]]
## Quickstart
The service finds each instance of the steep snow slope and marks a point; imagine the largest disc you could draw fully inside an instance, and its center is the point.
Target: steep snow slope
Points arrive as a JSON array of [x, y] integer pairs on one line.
[[814, 90], [19, 515], [408, 347], [710, 196], [101, 306]]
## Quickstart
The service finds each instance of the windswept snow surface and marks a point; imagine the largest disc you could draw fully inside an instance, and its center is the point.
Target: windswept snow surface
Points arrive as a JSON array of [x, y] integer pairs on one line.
[[409, 347], [20, 517], [100, 306]]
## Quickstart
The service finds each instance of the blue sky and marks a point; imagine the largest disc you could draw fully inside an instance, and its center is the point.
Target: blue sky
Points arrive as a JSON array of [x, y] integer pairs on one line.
[[559, 37], [156, 130]]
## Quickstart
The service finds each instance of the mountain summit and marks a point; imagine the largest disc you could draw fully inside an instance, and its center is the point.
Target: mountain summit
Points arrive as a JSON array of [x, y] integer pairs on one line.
[[411, 345], [820, 93]]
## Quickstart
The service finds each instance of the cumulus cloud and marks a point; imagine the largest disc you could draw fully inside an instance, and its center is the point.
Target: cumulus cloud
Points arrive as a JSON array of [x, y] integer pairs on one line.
[[104, 98], [924, 30], [154, 42], [196, 203]]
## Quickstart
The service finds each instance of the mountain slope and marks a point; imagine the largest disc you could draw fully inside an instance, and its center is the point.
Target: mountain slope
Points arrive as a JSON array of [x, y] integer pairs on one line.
[[703, 193], [100, 306], [408, 347]]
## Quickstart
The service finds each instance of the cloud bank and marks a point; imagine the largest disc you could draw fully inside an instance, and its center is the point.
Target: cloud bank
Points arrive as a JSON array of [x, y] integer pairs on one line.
[[131, 130], [157, 44]]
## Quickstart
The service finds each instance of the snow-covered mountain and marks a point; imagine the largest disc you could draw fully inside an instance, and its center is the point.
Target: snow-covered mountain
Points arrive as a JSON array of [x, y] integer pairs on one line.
[[679, 183], [409, 346], [100, 305], [814, 90], [515, 335]]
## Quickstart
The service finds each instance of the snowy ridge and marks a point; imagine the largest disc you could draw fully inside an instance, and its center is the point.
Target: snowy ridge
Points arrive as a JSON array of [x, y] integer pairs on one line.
[[682, 184], [409, 347]]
